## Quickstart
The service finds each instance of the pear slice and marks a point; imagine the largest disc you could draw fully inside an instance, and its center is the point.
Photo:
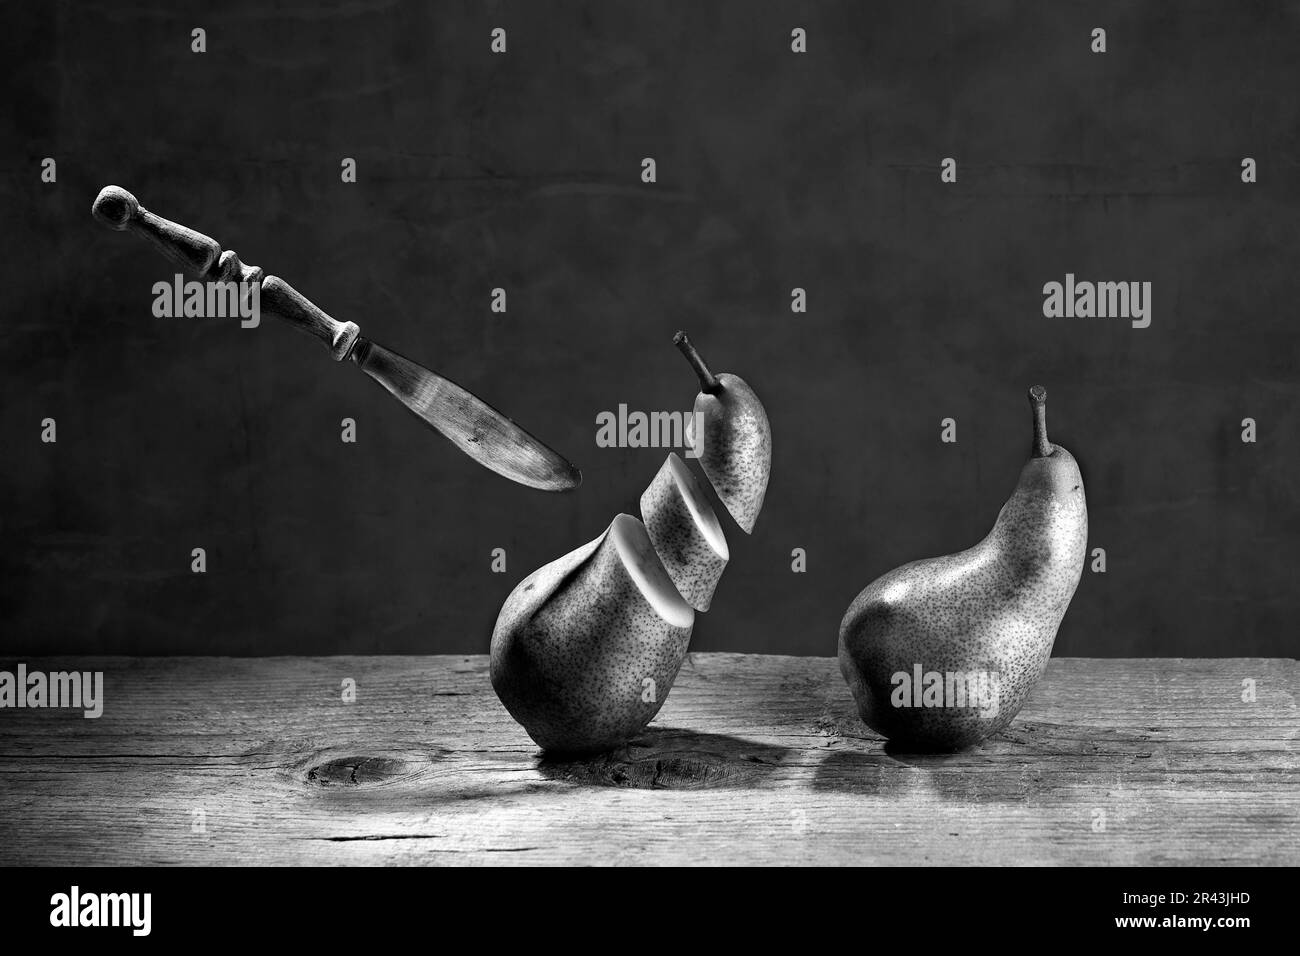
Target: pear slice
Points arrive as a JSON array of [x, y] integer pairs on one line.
[[735, 446], [586, 648], [685, 532]]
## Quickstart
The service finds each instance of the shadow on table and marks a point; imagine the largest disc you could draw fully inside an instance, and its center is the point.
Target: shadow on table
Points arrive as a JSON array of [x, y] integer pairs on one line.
[[671, 758], [862, 762]]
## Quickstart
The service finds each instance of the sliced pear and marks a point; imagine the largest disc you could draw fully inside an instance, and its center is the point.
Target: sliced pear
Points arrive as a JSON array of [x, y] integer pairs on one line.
[[735, 444], [530, 593], [685, 532], [586, 648]]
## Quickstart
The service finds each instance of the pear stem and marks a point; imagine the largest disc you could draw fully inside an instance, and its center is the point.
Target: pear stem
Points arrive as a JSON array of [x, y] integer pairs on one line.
[[709, 383], [1038, 398]]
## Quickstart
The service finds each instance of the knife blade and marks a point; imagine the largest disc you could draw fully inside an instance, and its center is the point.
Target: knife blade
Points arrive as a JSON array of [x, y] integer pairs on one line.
[[468, 422], [471, 424]]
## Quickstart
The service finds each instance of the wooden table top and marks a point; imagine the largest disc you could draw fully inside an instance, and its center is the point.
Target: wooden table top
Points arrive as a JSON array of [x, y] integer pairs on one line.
[[753, 759]]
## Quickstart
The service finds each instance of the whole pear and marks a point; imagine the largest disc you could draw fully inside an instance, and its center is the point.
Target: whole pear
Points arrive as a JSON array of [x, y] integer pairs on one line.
[[941, 653], [735, 446], [586, 648]]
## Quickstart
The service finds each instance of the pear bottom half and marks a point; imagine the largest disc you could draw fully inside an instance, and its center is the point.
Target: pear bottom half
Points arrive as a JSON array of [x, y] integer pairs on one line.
[[586, 648], [941, 654]]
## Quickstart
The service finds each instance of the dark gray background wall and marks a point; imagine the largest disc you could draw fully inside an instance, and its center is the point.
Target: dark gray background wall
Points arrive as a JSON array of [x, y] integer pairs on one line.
[[775, 170]]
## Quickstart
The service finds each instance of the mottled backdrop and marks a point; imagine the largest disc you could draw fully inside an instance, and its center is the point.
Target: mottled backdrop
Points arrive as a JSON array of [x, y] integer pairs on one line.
[[776, 170]]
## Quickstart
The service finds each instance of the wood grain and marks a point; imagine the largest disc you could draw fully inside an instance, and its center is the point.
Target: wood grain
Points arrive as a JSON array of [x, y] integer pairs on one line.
[[288, 304], [754, 759]]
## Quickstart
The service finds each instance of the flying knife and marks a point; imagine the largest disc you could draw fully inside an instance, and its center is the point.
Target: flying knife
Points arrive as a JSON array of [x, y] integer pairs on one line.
[[470, 423]]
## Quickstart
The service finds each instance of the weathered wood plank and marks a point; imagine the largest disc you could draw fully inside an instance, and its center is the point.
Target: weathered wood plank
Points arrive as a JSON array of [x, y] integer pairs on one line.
[[754, 759]]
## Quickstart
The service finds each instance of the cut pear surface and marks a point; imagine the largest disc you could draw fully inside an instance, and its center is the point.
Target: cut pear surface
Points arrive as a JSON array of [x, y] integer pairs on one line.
[[642, 563], [685, 532], [701, 511]]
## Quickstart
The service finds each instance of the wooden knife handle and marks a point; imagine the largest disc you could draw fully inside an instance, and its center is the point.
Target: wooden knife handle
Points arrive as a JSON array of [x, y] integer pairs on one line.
[[201, 256], [285, 302], [192, 251]]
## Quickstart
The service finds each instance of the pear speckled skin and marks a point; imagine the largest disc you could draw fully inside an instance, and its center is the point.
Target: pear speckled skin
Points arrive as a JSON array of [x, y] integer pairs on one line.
[[693, 561], [736, 452], [994, 608], [575, 643]]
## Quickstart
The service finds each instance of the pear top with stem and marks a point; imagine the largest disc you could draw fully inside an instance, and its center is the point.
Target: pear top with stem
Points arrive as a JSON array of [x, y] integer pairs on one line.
[[1038, 399], [709, 383]]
